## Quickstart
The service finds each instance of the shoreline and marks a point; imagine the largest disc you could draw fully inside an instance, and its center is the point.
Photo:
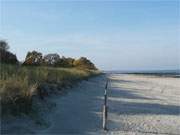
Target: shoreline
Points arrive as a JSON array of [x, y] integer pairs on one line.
[[159, 73]]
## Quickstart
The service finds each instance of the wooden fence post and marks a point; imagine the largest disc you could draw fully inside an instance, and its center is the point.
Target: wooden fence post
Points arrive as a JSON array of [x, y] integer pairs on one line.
[[105, 108]]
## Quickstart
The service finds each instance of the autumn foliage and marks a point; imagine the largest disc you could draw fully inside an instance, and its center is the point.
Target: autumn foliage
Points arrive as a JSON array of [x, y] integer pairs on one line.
[[35, 58]]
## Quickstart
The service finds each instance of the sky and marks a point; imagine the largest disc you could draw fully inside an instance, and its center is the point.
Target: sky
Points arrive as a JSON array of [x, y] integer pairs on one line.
[[115, 35]]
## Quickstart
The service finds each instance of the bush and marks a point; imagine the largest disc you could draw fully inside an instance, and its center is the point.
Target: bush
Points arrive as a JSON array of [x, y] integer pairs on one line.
[[84, 63], [4, 45], [65, 62], [7, 57], [33, 58], [51, 59]]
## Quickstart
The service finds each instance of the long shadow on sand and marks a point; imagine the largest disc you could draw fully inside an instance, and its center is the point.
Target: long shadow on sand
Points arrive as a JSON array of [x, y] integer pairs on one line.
[[133, 108], [119, 81], [128, 102], [124, 93], [137, 104]]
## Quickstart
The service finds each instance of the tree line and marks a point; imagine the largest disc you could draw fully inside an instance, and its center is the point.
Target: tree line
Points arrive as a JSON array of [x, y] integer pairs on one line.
[[36, 58]]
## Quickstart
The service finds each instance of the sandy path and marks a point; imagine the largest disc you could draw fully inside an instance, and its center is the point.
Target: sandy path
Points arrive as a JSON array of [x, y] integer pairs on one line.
[[144, 105], [78, 111]]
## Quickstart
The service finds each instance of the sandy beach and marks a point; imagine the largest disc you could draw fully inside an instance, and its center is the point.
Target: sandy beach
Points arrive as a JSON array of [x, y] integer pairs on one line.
[[137, 105], [144, 104]]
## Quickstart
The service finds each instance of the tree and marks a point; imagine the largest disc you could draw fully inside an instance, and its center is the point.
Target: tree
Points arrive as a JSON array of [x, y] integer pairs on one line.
[[7, 57], [84, 63], [65, 62], [70, 61], [33, 58], [4, 45], [51, 59]]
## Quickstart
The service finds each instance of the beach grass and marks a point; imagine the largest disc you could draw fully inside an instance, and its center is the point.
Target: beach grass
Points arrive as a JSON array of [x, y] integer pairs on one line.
[[19, 83]]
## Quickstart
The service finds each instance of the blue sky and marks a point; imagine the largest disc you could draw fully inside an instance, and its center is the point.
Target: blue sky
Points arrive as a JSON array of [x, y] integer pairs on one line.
[[118, 35]]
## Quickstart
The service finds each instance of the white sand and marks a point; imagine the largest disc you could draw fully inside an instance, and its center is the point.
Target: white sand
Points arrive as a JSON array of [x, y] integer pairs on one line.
[[138, 105], [144, 104]]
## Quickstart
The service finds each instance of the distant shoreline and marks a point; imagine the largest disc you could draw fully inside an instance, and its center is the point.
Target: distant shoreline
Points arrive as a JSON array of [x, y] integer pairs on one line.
[[159, 73]]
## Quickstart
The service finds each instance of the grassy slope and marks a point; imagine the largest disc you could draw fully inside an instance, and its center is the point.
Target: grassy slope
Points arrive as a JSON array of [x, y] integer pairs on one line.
[[18, 84]]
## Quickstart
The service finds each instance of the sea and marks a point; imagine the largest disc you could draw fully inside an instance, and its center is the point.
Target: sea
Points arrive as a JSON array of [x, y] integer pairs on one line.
[[162, 73]]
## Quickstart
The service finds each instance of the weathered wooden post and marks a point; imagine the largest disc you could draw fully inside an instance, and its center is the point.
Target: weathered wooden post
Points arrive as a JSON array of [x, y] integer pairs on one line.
[[105, 108]]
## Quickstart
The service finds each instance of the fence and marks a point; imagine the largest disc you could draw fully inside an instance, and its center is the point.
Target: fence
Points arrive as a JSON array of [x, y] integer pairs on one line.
[[105, 107]]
